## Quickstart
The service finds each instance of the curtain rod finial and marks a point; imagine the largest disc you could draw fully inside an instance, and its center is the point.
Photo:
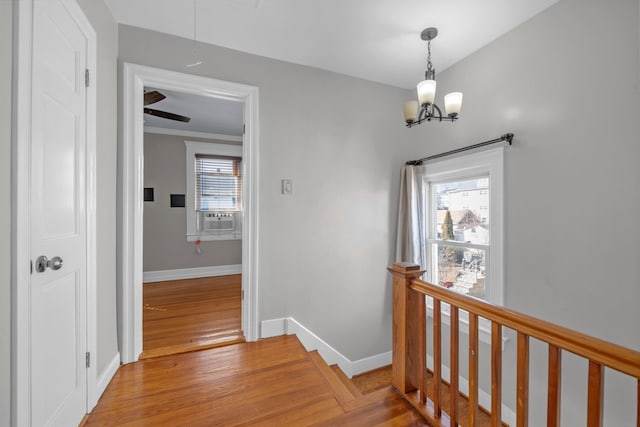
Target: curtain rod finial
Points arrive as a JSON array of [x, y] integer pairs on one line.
[[508, 137]]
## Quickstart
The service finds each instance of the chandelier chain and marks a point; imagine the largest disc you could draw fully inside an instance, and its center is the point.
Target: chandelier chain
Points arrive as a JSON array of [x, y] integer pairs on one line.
[[429, 64]]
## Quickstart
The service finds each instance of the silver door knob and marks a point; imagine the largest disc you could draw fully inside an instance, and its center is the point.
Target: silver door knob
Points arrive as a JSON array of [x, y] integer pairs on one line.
[[55, 263], [42, 263]]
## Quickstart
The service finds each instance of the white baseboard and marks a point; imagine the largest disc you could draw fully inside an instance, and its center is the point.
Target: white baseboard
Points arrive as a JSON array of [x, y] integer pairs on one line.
[[310, 341], [191, 273], [106, 376], [273, 328]]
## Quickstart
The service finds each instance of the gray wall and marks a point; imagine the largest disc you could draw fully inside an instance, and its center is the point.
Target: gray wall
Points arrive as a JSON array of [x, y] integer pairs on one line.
[[106, 152], [323, 251], [5, 211], [165, 244], [572, 196], [342, 141]]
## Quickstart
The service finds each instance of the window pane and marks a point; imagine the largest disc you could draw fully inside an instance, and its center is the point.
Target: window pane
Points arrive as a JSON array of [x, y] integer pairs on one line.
[[218, 183], [462, 210], [460, 269]]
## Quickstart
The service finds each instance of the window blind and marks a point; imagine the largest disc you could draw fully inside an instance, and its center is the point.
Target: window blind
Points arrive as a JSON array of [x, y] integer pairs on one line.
[[218, 183]]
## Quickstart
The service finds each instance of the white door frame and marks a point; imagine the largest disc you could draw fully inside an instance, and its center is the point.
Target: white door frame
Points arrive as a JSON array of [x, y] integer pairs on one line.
[[131, 171], [21, 213]]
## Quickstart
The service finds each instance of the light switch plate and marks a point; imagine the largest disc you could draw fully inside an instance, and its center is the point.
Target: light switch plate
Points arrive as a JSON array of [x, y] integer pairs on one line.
[[287, 187]]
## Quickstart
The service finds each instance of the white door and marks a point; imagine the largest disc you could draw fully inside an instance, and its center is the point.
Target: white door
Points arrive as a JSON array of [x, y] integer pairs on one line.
[[58, 297]]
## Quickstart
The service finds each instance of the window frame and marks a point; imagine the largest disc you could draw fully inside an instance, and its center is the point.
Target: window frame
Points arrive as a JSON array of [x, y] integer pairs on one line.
[[485, 163], [210, 149]]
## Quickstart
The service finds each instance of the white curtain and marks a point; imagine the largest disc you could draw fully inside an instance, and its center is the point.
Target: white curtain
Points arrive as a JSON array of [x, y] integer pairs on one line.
[[411, 217]]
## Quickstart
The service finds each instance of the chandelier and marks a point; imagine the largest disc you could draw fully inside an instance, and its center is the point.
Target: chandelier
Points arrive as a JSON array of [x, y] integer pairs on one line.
[[425, 108]]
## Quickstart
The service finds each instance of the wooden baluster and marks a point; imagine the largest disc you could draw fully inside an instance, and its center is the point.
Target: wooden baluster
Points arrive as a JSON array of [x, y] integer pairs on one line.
[[595, 395], [437, 358], [554, 386], [453, 362], [638, 406], [416, 327], [418, 300], [405, 376], [496, 374], [473, 369], [522, 388]]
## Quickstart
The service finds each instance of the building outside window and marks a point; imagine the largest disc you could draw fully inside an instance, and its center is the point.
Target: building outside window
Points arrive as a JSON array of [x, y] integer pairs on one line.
[[459, 236]]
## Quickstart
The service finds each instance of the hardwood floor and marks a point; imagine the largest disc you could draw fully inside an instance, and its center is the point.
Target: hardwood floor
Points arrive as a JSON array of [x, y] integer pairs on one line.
[[373, 380], [380, 378], [193, 314], [271, 382]]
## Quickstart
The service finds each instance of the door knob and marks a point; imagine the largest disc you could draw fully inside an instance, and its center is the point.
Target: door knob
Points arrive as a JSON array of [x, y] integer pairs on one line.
[[42, 263], [55, 263]]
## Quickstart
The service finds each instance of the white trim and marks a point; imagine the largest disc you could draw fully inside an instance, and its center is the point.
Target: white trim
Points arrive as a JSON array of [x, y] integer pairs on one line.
[[191, 273], [107, 375], [370, 363], [192, 134], [484, 398], [488, 162], [273, 328], [135, 77], [91, 201], [213, 237], [20, 239], [20, 229], [310, 341]]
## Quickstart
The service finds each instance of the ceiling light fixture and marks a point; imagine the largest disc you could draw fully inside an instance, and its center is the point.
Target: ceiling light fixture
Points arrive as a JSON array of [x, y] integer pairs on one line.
[[425, 108]]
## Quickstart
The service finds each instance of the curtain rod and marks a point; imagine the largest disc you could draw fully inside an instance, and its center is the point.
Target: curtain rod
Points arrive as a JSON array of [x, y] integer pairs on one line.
[[506, 137]]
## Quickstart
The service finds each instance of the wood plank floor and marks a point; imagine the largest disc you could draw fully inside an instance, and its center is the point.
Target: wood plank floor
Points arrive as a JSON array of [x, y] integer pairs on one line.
[[271, 382], [380, 378], [193, 314]]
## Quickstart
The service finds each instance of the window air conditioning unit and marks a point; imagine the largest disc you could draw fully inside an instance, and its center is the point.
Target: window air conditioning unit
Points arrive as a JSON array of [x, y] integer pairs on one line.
[[217, 221]]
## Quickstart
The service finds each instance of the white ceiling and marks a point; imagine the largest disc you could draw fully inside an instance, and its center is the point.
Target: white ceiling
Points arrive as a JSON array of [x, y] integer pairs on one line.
[[377, 40], [208, 115]]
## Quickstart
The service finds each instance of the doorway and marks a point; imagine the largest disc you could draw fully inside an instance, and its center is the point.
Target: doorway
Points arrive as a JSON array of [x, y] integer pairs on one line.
[[192, 239], [136, 78]]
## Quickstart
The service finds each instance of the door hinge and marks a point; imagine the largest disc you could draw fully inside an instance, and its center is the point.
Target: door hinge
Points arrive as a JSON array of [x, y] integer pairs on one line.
[[87, 356], [86, 77], [242, 297], [31, 262], [244, 129]]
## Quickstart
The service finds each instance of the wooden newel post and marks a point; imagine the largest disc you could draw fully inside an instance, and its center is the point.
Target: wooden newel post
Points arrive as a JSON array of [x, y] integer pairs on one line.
[[408, 328]]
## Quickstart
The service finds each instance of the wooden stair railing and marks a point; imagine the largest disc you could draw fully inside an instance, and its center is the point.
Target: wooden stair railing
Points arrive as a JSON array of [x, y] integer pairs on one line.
[[409, 354]]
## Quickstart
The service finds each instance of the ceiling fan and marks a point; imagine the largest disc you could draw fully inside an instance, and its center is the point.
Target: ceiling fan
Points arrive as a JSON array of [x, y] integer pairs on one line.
[[155, 96]]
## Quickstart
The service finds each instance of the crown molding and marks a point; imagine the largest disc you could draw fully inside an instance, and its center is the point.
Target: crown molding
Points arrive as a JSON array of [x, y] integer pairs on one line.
[[192, 134]]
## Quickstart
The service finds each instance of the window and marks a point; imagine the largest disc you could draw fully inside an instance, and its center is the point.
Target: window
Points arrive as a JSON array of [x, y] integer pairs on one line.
[[459, 240], [464, 224], [218, 183], [214, 191]]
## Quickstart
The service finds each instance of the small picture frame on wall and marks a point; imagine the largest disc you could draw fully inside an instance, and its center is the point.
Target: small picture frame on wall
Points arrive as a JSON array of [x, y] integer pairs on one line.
[[177, 200], [148, 194]]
